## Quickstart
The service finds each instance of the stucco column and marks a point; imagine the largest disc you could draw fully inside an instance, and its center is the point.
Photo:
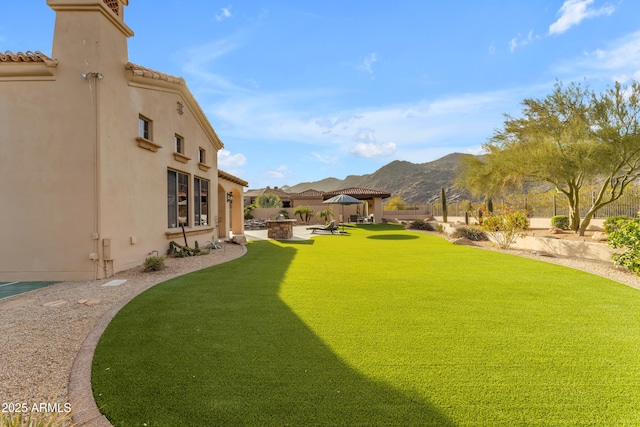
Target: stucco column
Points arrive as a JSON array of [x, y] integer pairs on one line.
[[377, 209]]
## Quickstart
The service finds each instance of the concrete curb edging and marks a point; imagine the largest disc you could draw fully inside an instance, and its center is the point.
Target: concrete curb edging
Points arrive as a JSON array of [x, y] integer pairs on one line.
[[80, 392]]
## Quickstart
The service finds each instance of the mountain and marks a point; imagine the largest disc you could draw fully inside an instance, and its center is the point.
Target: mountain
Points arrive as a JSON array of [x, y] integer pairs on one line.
[[415, 183]]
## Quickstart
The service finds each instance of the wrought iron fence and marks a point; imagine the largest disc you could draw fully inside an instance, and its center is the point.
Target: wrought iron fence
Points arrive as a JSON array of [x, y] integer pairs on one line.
[[541, 205]]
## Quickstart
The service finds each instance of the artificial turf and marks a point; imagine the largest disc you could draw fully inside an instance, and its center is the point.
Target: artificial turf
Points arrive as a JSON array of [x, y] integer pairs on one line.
[[378, 327]]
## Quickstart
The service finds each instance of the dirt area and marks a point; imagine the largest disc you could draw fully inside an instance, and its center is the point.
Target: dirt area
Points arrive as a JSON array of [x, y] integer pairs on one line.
[[566, 235]]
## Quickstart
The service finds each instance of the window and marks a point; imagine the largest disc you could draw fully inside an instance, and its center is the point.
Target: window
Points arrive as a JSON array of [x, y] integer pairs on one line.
[[179, 144], [202, 156], [177, 199], [144, 128], [201, 202]]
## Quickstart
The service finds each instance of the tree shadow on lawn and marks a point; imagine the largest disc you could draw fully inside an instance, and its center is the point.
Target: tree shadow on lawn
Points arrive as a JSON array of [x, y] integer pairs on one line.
[[209, 349]]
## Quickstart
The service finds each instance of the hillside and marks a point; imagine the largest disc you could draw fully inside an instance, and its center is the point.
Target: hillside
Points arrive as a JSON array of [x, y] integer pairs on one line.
[[415, 183]]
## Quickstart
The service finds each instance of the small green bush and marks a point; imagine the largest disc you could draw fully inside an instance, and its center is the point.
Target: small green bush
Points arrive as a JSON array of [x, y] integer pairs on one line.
[[613, 223], [153, 263], [560, 221], [420, 224], [625, 233], [470, 233], [505, 227]]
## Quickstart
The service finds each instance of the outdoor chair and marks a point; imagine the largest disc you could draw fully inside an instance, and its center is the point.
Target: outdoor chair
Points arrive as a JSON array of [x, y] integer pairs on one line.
[[331, 227]]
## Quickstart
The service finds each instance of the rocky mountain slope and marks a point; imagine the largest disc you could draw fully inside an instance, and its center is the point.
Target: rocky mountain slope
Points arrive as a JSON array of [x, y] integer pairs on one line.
[[415, 183]]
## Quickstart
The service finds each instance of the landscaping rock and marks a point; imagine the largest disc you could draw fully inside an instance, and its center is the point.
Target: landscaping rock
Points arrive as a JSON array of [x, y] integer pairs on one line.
[[599, 236], [556, 230], [463, 241], [240, 240]]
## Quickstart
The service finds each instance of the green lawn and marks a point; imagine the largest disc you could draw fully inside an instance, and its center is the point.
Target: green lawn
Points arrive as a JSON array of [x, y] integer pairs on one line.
[[379, 327]]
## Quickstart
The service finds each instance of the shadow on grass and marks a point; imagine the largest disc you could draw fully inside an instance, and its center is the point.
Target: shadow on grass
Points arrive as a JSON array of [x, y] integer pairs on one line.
[[219, 347]]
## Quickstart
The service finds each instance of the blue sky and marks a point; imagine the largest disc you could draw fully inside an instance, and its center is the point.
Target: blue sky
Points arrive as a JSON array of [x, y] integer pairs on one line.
[[300, 91]]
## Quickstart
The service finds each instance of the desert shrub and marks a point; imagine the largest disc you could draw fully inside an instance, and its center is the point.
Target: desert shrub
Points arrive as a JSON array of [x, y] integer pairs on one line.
[[153, 263], [560, 221], [32, 418], [420, 224], [440, 228], [471, 233], [505, 227], [247, 211], [613, 223], [626, 234]]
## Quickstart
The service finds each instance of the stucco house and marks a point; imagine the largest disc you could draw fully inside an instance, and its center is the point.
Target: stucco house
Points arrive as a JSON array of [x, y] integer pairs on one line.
[[102, 159]]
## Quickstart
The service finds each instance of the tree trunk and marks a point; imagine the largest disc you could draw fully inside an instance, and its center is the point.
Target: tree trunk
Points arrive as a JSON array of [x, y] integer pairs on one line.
[[585, 223]]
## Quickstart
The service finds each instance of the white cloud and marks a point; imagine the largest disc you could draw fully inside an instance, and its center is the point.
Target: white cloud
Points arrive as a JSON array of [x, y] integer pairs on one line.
[[369, 150], [225, 13], [572, 12], [279, 173], [367, 63], [228, 161], [492, 49]]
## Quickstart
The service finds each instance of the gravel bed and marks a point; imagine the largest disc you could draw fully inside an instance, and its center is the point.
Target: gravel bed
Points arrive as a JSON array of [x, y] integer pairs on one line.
[[39, 341]]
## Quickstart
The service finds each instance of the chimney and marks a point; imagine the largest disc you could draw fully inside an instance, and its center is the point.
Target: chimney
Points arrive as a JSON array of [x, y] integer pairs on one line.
[[90, 33]]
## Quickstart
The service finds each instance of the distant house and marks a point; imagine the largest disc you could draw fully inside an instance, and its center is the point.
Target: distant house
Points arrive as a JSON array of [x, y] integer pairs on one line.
[[250, 196], [372, 206], [103, 160]]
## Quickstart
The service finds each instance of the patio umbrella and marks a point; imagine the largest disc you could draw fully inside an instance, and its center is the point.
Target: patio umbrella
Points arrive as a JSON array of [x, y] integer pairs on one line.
[[342, 199]]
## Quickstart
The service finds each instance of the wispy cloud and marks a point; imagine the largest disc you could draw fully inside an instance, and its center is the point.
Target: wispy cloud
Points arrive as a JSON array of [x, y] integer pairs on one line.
[[198, 66], [280, 172], [572, 12], [620, 61], [225, 13], [520, 41], [367, 63]]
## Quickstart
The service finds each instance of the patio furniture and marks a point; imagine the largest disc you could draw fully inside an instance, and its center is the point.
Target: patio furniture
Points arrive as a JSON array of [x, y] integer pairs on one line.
[[331, 227]]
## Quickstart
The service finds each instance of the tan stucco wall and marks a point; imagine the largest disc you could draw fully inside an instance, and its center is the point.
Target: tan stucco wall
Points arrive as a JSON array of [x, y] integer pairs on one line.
[[72, 173]]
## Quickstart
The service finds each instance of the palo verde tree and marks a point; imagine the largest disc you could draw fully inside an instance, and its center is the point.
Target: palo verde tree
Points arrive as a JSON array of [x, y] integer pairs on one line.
[[572, 138], [396, 203]]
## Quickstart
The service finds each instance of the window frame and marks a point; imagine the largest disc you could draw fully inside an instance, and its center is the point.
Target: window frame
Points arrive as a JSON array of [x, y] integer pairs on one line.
[[175, 201], [178, 144], [201, 204], [145, 128], [202, 155]]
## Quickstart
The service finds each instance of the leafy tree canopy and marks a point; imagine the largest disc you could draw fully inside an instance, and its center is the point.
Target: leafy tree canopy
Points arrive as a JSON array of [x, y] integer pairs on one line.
[[569, 139]]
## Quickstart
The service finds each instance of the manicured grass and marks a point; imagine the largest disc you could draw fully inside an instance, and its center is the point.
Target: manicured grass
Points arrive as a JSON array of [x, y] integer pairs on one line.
[[380, 327]]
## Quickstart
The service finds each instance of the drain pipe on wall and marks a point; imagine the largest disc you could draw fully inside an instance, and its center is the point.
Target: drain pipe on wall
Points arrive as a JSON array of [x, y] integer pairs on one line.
[[92, 77]]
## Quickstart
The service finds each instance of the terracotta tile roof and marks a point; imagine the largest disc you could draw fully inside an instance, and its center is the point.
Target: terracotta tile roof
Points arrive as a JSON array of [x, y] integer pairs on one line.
[[28, 56], [308, 194], [224, 175], [359, 193], [277, 191], [139, 70]]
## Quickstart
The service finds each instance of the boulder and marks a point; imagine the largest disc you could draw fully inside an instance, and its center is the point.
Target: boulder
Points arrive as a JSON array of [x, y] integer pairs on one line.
[[240, 239], [556, 230], [599, 236]]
